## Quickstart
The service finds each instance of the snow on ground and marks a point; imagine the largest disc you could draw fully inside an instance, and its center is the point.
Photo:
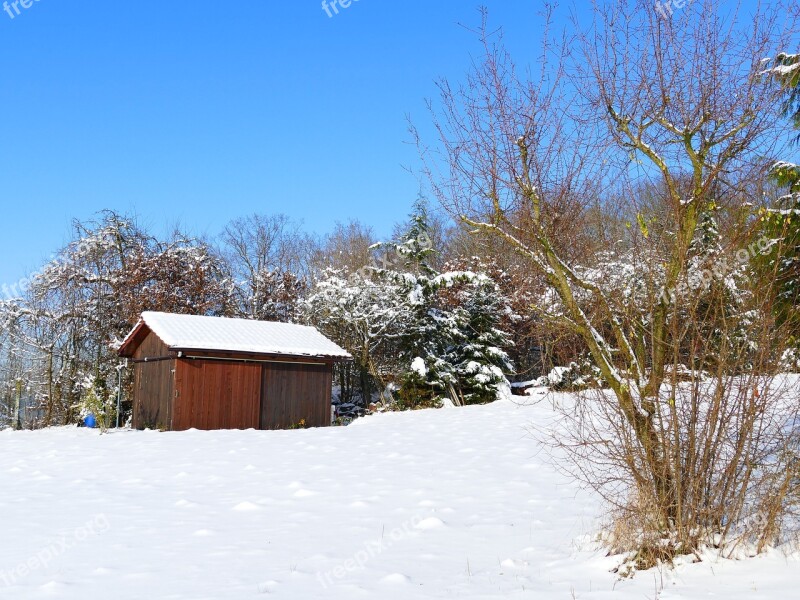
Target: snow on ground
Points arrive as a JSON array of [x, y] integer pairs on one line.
[[458, 503]]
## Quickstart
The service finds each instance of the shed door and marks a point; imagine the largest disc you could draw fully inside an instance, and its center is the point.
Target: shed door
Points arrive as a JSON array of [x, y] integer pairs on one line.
[[296, 395], [217, 395]]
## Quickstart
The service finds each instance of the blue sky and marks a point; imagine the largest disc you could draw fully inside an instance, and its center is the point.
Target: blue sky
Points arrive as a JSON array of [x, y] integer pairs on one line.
[[198, 112]]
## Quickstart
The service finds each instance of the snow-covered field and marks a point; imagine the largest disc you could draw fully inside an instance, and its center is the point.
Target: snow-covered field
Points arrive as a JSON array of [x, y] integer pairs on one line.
[[458, 503]]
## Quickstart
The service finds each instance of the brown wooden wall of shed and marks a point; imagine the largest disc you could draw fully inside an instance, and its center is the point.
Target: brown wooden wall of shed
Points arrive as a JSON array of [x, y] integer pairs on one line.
[[216, 395], [153, 386], [203, 393], [296, 392]]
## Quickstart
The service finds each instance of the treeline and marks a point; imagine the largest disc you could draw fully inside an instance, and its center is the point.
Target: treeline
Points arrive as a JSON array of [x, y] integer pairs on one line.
[[438, 313], [422, 295]]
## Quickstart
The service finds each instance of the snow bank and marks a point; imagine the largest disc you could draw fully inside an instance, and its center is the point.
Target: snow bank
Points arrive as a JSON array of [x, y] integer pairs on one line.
[[426, 504]]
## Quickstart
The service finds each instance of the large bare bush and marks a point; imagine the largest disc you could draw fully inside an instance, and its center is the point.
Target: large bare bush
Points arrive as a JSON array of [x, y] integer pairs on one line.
[[669, 126]]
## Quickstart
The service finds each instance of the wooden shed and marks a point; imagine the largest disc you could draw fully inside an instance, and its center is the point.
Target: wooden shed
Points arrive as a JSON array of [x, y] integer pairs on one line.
[[215, 373]]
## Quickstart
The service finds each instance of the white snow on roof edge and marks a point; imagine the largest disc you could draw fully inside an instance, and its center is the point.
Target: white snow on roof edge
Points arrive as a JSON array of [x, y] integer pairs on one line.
[[191, 332]]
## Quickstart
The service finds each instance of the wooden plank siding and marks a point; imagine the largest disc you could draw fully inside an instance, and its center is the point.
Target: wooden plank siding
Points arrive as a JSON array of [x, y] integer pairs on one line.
[[296, 392], [153, 384], [217, 395]]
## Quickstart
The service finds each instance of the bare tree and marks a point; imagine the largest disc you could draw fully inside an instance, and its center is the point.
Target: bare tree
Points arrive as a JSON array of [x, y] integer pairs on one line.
[[62, 333], [346, 248], [270, 259]]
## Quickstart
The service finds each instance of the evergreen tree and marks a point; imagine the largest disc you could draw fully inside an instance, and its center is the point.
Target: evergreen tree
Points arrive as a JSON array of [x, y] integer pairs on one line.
[[781, 224], [476, 343], [454, 346], [786, 72], [716, 294]]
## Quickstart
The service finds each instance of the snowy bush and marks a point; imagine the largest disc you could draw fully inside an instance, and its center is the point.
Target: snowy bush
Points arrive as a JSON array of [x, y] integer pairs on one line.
[[573, 377], [99, 402], [367, 316], [790, 360]]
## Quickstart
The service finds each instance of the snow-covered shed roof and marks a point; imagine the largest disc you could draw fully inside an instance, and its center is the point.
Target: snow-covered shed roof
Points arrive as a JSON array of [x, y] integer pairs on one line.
[[189, 332]]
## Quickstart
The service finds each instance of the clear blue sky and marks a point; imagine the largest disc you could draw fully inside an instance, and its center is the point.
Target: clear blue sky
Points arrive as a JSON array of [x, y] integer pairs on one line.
[[199, 112]]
